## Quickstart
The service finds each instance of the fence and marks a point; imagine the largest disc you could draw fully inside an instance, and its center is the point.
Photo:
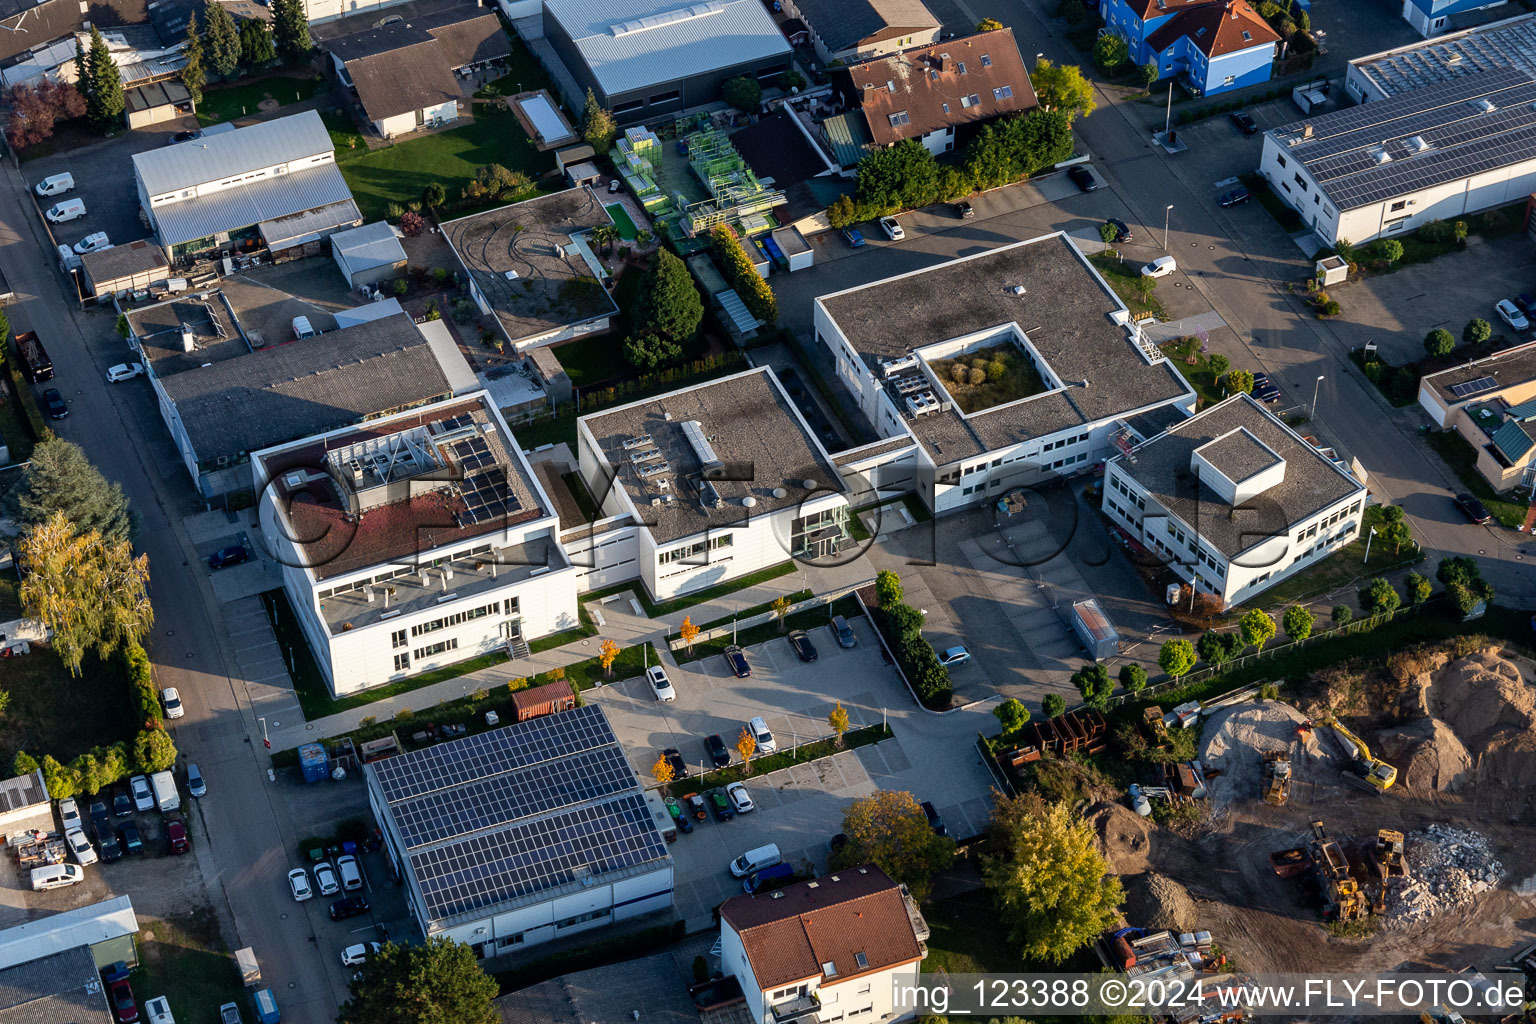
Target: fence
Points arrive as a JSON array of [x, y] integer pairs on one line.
[[715, 632], [993, 768]]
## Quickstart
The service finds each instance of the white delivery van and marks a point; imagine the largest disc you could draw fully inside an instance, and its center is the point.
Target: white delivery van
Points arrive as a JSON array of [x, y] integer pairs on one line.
[[159, 1010], [755, 860], [56, 876], [69, 209], [166, 796], [302, 328], [56, 184]]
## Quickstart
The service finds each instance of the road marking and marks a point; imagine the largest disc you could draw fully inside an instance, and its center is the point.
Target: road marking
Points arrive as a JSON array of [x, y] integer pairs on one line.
[[1224, 182]]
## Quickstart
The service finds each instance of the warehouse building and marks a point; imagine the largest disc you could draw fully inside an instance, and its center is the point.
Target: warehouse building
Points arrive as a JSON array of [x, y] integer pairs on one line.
[[1507, 43], [241, 190], [1433, 153], [644, 58], [524, 834]]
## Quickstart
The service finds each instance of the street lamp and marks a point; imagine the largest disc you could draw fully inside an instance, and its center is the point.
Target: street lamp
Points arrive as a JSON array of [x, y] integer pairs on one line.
[[1368, 546], [1166, 214], [1319, 384]]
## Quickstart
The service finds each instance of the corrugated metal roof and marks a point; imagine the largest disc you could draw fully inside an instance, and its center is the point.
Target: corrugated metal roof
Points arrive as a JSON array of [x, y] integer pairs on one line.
[[259, 201], [1514, 440], [685, 38], [368, 247], [736, 310], [848, 135], [1523, 411], [98, 922], [298, 228], [247, 149]]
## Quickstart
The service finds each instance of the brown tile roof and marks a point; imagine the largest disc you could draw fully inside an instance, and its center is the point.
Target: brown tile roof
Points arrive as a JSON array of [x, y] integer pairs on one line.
[[791, 933], [909, 94], [467, 37], [1216, 28], [399, 81], [1147, 9]]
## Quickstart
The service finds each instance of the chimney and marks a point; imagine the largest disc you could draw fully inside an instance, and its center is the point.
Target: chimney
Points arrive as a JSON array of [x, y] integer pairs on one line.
[[1306, 131], [1232, 9], [943, 61]]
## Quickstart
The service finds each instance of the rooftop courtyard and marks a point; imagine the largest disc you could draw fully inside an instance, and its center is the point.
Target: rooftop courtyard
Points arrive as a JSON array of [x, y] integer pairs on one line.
[[986, 377]]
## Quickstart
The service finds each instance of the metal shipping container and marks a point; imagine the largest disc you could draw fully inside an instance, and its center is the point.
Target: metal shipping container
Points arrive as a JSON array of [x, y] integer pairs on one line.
[[314, 762], [1093, 629]]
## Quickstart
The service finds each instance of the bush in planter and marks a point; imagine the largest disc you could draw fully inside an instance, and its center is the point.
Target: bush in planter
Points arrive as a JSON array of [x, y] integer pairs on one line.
[[1329, 308]]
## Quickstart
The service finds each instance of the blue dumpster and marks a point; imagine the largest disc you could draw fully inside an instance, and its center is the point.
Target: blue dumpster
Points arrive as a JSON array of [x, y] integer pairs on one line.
[[266, 1006], [314, 762]]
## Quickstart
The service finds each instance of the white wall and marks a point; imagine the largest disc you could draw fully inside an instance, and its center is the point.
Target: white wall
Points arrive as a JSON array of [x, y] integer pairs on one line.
[[602, 557], [240, 180], [1430, 402], [327, 10], [537, 923], [734, 964]]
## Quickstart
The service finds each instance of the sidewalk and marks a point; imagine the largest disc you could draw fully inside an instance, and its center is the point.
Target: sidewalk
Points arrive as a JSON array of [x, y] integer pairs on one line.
[[621, 625]]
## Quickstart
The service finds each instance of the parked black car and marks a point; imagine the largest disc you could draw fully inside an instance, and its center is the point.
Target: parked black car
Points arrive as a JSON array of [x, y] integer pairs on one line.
[[131, 841], [232, 555], [1236, 197], [679, 766], [1244, 123], [53, 404], [1122, 232], [99, 812], [719, 753], [106, 842], [934, 821], [1473, 509], [736, 658], [1082, 178], [122, 805], [349, 907], [965, 209], [800, 640]]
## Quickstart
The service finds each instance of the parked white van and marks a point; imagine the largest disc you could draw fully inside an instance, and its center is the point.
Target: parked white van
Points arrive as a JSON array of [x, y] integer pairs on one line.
[[56, 876], [56, 184], [69, 209], [166, 797], [755, 860]]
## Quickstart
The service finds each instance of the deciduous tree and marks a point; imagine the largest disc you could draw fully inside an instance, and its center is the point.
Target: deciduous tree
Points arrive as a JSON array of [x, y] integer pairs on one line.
[[1176, 657], [988, 25], [1012, 714], [597, 125], [688, 631], [1133, 677], [1257, 627], [1476, 332], [1417, 588], [1051, 885], [661, 771], [743, 93], [1150, 73], [780, 608], [746, 746], [1094, 683], [36, 109], [91, 592], [221, 39], [1439, 342], [438, 982], [842, 213], [61, 479], [290, 29], [1240, 382], [887, 589], [837, 718], [1298, 622], [1342, 614], [1378, 596], [1110, 51], [1390, 249], [890, 830], [1054, 705], [153, 750], [1063, 87], [606, 654]]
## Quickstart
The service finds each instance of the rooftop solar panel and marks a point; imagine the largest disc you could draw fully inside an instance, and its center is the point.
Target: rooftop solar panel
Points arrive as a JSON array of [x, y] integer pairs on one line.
[[492, 753], [490, 868], [1474, 387]]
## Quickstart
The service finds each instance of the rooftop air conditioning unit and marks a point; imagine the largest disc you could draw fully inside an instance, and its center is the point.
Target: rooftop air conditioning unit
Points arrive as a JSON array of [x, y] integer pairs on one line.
[[638, 441]]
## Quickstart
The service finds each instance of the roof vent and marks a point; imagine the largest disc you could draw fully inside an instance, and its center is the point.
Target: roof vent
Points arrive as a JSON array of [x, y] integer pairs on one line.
[[1484, 104], [808, 484], [1417, 144], [813, 885], [1306, 131], [749, 502], [779, 492], [777, 894], [510, 275], [1380, 156], [1016, 289], [294, 480]]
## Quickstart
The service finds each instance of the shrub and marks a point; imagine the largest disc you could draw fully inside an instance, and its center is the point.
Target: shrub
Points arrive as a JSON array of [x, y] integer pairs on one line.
[[401, 286], [412, 224], [1342, 614], [1329, 308], [887, 589], [739, 271], [1133, 677], [1439, 342], [1390, 249], [1054, 705], [978, 376], [1476, 332], [1379, 596]]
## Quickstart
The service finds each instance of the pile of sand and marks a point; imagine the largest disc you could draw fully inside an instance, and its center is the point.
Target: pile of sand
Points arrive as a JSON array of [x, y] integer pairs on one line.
[[1429, 756], [1235, 740], [1486, 703], [1124, 837], [1156, 902]]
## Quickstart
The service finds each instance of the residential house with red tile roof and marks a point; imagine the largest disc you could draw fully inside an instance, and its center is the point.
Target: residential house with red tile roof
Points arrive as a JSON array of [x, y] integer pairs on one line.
[[824, 950], [932, 93], [1211, 46]]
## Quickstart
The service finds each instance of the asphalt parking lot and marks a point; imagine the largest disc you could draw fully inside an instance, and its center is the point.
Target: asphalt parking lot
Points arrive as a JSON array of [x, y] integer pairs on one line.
[[104, 179], [799, 808]]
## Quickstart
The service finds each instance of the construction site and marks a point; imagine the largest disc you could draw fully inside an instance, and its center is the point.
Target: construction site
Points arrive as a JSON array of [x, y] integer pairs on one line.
[[1381, 818]]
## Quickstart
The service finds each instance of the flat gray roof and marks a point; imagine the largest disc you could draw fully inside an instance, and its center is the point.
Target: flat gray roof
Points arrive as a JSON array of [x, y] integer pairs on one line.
[[1445, 132], [141, 257], [551, 285], [632, 44], [1238, 455], [754, 430], [1311, 483], [226, 322], [1066, 313], [606, 994], [216, 157], [305, 387], [369, 246], [1475, 379]]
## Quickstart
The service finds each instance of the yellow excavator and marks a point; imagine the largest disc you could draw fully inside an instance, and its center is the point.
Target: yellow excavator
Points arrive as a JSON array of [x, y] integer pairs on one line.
[[1367, 770]]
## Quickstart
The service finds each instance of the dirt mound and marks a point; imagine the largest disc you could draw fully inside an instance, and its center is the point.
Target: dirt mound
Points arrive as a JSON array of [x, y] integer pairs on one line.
[[1125, 839], [1488, 700], [1156, 901], [1436, 761], [1235, 740]]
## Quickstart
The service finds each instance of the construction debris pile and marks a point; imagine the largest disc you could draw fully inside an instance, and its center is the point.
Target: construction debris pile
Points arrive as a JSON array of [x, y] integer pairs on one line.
[[1447, 869], [1236, 741]]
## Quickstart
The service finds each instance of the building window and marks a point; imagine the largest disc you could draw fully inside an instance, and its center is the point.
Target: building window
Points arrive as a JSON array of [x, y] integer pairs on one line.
[[623, 108], [441, 647], [694, 550], [970, 101], [1301, 181], [591, 915], [1401, 204], [494, 608], [946, 108], [666, 97], [899, 118], [1002, 92], [1280, 160], [397, 639], [1396, 225], [960, 68], [1230, 79], [402, 662]]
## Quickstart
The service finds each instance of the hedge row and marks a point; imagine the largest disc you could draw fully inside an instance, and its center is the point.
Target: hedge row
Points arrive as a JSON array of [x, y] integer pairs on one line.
[[916, 656], [153, 750], [734, 262]]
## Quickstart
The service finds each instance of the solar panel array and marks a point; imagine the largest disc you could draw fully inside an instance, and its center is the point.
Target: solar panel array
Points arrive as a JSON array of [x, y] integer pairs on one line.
[[1474, 387], [491, 868], [492, 753], [508, 797], [487, 496], [472, 453], [456, 422]]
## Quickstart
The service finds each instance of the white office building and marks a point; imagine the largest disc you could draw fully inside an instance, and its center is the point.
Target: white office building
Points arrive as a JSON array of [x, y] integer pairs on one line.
[[413, 541], [1233, 500]]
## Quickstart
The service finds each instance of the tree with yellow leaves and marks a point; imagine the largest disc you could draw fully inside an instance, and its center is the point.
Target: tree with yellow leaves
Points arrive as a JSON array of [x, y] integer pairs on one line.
[[661, 771], [746, 746], [781, 609], [688, 631], [91, 592], [606, 654], [837, 718]]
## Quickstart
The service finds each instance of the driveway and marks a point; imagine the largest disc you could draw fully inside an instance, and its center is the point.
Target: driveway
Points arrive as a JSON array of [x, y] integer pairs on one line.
[[799, 808], [104, 179]]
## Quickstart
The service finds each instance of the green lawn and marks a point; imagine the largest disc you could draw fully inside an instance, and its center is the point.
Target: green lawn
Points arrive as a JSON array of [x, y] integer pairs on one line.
[[398, 173], [226, 103], [1137, 292], [524, 73], [959, 946], [1339, 568], [185, 960], [43, 717], [1198, 374], [344, 136], [1454, 450], [622, 220]]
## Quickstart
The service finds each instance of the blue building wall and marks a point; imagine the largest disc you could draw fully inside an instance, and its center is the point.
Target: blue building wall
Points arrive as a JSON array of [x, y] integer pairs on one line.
[[1245, 67]]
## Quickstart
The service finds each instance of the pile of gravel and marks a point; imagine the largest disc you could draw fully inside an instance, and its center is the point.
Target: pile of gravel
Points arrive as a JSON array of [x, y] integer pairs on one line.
[[1157, 902]]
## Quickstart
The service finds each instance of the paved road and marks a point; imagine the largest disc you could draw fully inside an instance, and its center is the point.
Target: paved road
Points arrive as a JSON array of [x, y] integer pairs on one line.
[[121, 431]]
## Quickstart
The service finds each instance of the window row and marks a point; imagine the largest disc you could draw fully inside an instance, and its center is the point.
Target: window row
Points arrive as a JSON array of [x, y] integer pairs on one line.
[[695, 550], [494, 608]]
